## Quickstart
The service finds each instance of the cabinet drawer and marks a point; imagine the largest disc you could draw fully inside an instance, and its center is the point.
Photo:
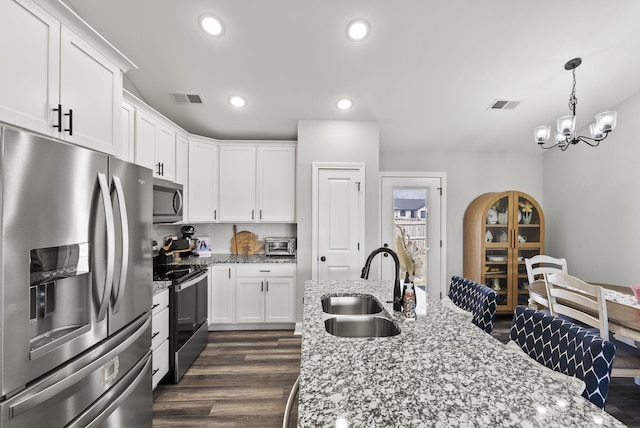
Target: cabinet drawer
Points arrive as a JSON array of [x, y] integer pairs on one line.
[[266, 270], [159, 328], [160, 301], [160, 363]]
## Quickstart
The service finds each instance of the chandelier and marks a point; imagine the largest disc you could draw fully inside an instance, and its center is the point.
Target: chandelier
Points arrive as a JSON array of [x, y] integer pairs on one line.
[[566, 125]]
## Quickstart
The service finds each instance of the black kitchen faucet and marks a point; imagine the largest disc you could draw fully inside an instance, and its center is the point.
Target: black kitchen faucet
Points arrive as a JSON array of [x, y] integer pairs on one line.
[[397, 299]]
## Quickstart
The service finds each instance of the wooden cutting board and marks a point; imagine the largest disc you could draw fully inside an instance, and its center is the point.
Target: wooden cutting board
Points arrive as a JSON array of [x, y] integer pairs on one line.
[[245, 243]]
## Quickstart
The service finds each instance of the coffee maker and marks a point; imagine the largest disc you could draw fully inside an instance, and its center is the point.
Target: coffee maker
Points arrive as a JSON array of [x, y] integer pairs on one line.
[[187, 233]]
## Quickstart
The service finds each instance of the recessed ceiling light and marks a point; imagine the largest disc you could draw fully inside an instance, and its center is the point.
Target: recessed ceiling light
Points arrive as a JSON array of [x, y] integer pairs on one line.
[[212, 25], [358, 29], [344, 104], [237, 101]]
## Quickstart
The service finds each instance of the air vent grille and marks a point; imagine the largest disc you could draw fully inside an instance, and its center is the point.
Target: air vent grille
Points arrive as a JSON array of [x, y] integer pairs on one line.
[[187, 98], [503, 105]]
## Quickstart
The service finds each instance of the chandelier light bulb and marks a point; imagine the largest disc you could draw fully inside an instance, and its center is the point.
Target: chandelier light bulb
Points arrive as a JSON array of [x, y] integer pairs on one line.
[[541, 134], [606, 121], [566, 125]]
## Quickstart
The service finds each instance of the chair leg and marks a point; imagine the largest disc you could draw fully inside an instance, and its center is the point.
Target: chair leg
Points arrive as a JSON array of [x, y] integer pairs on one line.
[[292, 395]]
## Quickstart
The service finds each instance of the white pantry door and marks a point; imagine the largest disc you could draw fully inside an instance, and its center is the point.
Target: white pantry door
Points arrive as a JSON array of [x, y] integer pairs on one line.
[[338, 223]]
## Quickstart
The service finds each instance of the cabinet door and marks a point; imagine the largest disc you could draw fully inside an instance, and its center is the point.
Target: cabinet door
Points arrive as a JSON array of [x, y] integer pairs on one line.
[[90, 94], [276, 184], [166, 153], [279, 300], [237, 183], [146, 135], [249, 300], [30, 46], [160, 363], [182, 160], [128, 127], [221, 294], [203, 182]]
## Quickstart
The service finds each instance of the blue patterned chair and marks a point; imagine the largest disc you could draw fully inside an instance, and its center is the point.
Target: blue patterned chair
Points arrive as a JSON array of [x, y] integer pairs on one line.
[[476, 298], [566, 348]]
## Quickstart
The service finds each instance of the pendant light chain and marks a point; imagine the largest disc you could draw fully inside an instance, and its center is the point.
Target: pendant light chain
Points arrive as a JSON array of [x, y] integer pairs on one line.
[[573, 101]]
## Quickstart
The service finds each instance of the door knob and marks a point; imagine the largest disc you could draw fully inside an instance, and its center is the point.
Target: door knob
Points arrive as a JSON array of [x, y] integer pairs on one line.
[[323, 259]]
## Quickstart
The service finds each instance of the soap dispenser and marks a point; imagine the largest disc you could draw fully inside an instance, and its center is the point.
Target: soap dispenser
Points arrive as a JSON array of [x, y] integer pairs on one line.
[[409, 298]]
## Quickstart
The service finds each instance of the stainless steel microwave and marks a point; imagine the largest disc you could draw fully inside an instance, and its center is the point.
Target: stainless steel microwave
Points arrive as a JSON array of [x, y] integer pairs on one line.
[[167, 201]]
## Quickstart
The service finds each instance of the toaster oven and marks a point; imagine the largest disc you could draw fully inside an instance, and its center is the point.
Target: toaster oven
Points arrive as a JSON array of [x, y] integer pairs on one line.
[[280, 246]]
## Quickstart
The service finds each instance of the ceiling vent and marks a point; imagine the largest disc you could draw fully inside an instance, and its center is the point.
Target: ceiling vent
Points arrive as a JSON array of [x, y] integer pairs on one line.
[[503, 105], [187, 98]]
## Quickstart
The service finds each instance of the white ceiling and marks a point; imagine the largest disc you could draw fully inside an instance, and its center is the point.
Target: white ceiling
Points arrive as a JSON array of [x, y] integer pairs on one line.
[[427, 73]]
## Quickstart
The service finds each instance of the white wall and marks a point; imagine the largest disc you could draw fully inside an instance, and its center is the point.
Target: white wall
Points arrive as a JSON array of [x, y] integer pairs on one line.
[[468, 176], [333, 141], [592, 203]]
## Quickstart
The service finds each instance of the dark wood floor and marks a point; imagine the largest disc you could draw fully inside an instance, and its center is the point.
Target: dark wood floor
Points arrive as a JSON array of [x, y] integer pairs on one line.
[[243, 379]]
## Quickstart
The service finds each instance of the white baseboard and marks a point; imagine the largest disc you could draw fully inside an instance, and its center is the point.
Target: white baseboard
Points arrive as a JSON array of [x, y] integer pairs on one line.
[[298, 329]]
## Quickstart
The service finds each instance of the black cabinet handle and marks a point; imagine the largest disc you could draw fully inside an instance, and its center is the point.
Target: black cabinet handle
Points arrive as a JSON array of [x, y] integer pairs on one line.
[[59, 111], [70, 116], [323, 259], [155, 305], [155, 334], [155, 371]]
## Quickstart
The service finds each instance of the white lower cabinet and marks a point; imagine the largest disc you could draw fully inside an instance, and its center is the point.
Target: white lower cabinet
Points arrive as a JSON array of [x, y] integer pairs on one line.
[[265, 293], [221, 296], [247, 295], [160, 336]]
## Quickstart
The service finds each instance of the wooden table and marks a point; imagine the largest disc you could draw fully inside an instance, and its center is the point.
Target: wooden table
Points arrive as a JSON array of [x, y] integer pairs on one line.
[[623, 319]]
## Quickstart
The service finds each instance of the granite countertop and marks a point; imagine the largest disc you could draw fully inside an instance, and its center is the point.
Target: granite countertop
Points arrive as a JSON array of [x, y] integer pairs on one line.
[[440, 371], [235, 258], [159, 286]]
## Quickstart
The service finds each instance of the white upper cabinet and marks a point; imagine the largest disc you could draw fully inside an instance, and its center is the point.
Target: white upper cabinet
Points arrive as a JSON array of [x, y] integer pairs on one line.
[[238, 183], [128, 132], [182, 159], [155, 146], [60, 85], [90, 96], [257, 183], [202, 189], [276, 183]]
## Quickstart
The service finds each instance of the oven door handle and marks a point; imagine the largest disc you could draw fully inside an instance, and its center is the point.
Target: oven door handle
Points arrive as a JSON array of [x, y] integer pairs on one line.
[[191, 282], [124, 222]]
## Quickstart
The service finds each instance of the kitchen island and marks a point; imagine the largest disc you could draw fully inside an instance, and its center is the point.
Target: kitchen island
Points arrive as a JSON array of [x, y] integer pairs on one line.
[[440, 371]]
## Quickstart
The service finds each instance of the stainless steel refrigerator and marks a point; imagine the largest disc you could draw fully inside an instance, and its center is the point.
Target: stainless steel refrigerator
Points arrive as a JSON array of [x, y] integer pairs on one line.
[[75, 286]]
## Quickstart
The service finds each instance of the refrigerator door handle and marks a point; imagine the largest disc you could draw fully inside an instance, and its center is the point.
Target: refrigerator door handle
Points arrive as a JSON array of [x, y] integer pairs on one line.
[[89, 418], [85, 368], [124, 222], [111, 245]]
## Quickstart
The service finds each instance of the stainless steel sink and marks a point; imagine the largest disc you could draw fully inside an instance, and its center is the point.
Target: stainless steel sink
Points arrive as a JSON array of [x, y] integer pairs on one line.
[[361, 326], [357, 304]]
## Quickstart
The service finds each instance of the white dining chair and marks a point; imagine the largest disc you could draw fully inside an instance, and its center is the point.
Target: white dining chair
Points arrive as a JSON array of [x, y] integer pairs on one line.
[[541, 264], [537, 266], [589, 306]]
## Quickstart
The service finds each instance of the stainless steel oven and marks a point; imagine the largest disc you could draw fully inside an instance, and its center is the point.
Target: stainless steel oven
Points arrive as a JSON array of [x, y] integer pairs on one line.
[[188, 326]]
